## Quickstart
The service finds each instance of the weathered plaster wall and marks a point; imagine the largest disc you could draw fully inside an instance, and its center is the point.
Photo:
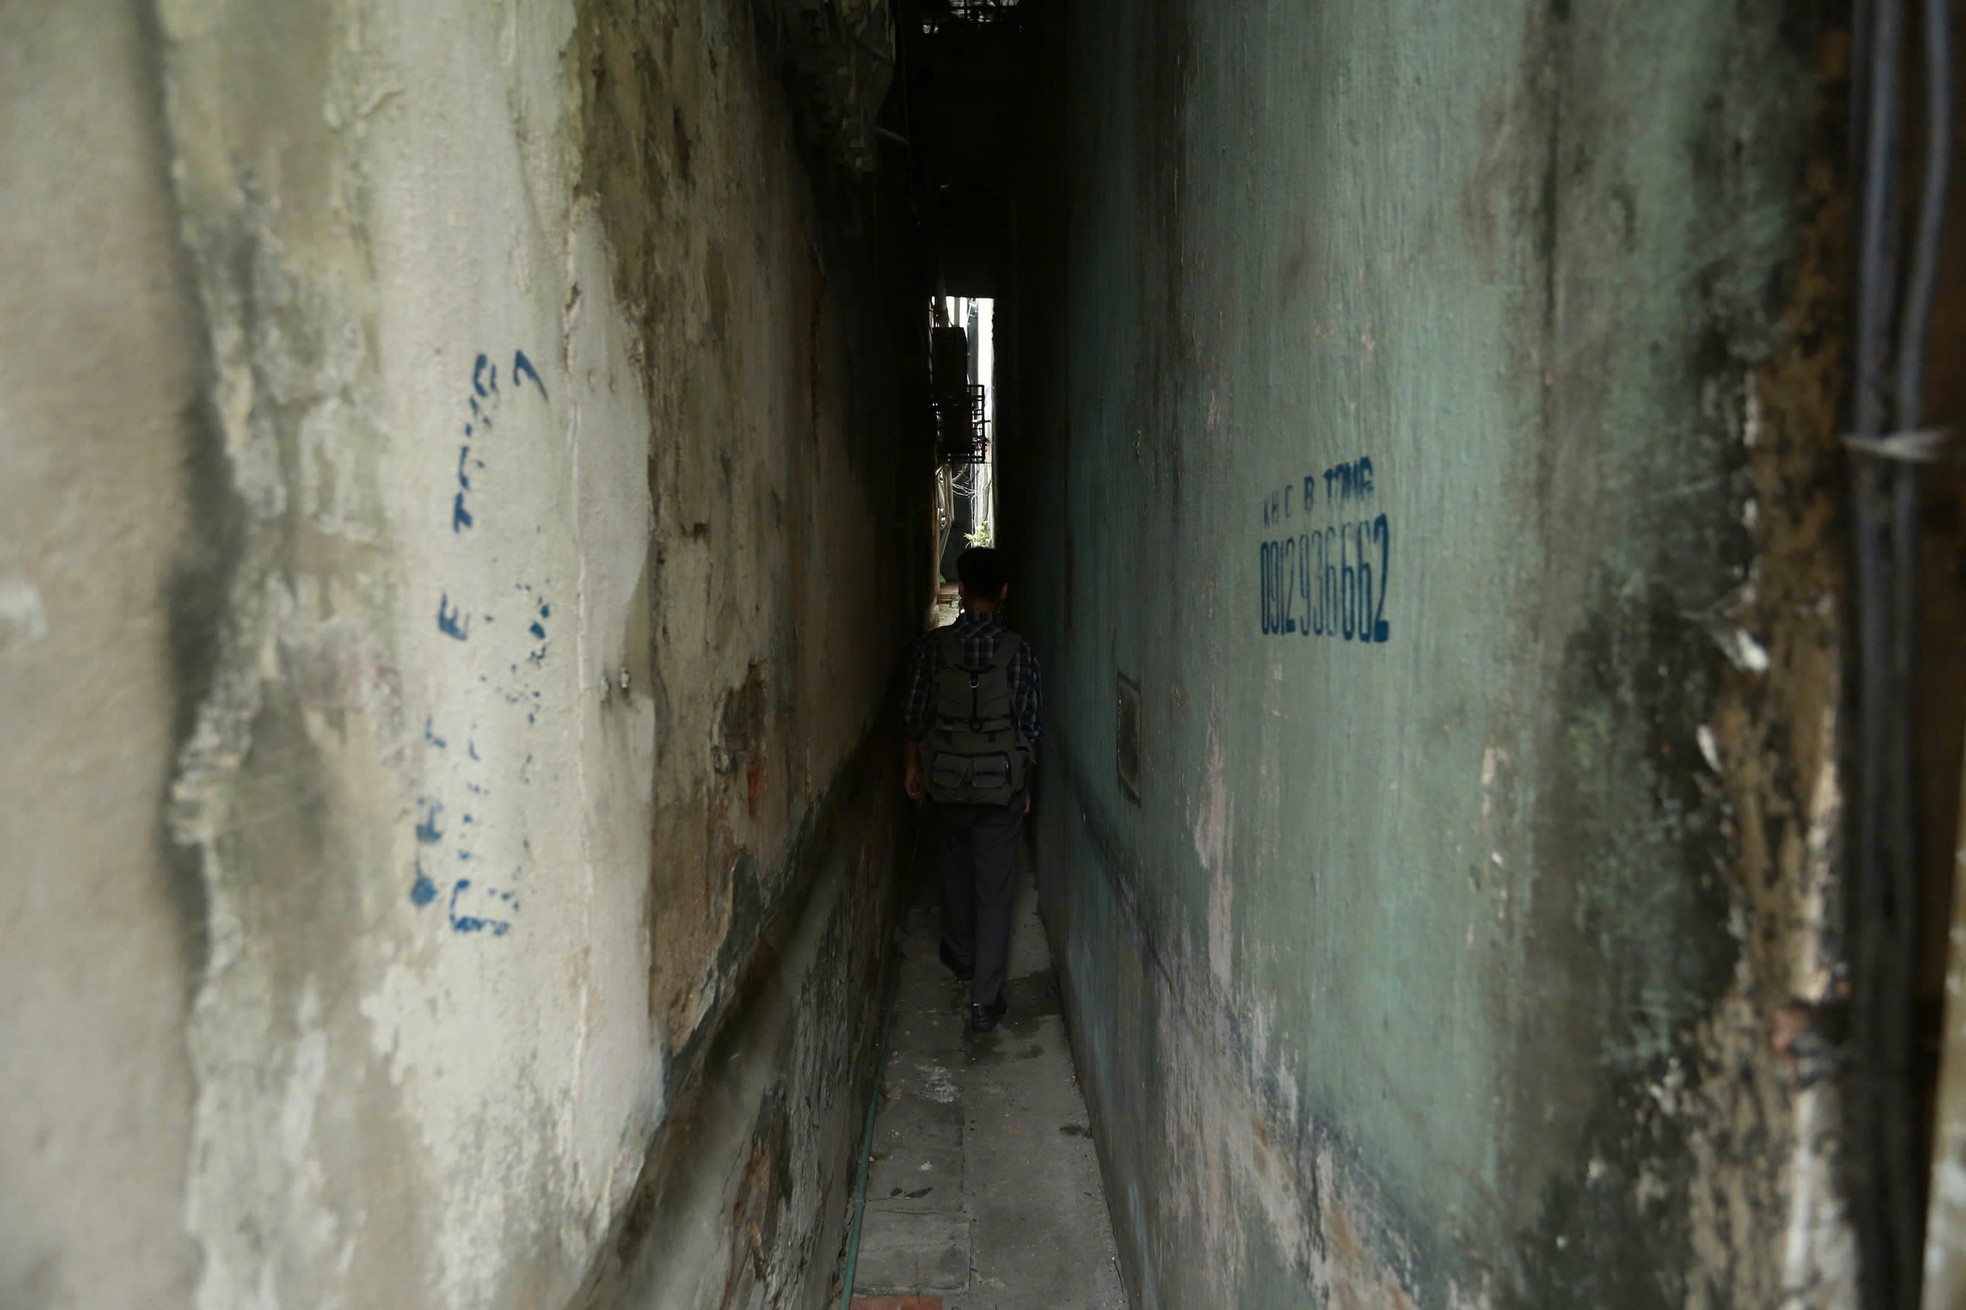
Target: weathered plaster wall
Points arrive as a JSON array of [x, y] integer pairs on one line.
[[444, 623], [97, 936], [1461, 945]]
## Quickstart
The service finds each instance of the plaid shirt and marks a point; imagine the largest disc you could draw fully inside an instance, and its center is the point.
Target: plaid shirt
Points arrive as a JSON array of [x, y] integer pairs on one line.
[[980, 633]]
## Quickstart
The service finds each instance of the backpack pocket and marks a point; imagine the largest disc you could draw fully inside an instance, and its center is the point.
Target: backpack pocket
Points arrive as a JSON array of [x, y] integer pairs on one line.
[[990, 774], [947, 772]]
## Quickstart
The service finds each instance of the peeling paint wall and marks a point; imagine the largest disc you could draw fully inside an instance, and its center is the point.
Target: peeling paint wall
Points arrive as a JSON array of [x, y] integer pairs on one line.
[[99, 917], [443, 621], [1438, 426]]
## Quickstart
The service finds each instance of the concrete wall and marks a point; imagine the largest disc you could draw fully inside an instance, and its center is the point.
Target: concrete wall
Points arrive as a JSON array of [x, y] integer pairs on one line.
[[443, 613], [1463, 943], [99, 915]]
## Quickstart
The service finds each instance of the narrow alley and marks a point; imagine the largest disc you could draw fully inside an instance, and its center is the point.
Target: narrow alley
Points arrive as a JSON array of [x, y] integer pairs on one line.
[[983, 1191], [982, 655]]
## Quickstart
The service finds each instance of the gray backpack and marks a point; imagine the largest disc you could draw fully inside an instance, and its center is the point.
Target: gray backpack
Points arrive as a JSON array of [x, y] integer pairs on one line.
[[974, 753]]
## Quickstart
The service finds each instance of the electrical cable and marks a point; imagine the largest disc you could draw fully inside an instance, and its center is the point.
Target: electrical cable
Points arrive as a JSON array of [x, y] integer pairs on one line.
[[1884, 897], [873, 1106], [866, 1164], [1876, 112], [1907, 1171], [1923, 277]]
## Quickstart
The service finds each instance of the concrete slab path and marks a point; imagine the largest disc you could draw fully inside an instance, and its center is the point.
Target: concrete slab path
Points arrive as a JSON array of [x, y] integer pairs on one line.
[[983, 1192]]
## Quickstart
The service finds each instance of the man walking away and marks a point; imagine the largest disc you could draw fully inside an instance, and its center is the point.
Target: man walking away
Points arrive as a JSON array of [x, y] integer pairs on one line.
[[972, 721]]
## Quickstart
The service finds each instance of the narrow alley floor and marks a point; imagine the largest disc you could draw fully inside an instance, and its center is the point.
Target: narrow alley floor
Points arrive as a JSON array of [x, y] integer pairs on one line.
[[984, 1190]]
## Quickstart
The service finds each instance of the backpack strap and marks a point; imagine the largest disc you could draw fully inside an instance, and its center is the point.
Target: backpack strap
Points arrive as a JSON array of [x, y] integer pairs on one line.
[[950, 644], [1008, 647], [1006, 652]]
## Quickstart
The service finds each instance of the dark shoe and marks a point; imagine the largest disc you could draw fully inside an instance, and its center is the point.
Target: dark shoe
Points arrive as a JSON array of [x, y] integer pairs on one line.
[[957, 967], [983, 1018]]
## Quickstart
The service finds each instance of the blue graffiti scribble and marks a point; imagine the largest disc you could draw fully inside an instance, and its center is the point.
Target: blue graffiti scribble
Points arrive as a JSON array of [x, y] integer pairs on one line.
[[478, 376], [430, 733], [422, 891], [471, 747], [473, 922], [450, 621], [522, 369], [460, 514], [427, 831], [538, 630]]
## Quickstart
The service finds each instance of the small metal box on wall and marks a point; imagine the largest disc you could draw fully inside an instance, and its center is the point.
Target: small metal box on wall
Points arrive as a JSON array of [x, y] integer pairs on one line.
[[1126, 736]]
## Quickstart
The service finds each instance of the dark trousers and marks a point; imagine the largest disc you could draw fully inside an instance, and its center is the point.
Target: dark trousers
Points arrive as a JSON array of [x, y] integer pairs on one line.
[[976, 850]]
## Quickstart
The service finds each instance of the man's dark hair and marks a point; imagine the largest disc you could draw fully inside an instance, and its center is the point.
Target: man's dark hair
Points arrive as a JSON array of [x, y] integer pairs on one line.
[[982, 572]]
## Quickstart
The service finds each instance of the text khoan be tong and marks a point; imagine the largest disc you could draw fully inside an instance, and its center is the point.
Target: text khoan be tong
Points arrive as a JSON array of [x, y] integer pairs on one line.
[[1326, 557]]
